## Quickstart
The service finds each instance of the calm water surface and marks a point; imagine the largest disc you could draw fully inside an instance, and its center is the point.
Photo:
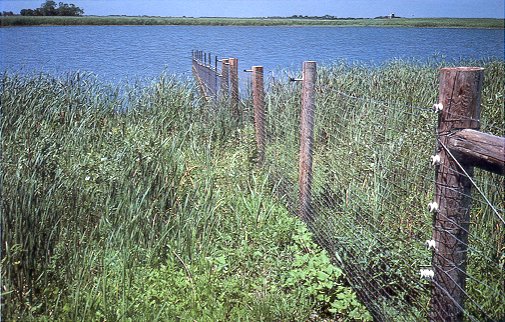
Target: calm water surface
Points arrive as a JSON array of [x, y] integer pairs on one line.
[[132, 52]]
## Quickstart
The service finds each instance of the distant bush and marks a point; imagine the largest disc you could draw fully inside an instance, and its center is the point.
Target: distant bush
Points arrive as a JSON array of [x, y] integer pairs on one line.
[[49, 8]]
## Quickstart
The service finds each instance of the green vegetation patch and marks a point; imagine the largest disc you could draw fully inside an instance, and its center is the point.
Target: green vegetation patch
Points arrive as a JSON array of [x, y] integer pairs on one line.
[[140, 203], [374, 131], [143, 20]]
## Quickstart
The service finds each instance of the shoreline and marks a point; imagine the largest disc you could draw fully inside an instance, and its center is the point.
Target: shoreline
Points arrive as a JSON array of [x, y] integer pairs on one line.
[[474, 23]]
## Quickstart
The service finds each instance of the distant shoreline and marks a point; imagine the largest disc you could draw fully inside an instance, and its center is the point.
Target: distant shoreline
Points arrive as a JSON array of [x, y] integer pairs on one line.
[[487, 23]]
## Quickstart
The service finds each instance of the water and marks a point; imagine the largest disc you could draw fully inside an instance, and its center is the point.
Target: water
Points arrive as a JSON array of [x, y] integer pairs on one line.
[[131, 52]]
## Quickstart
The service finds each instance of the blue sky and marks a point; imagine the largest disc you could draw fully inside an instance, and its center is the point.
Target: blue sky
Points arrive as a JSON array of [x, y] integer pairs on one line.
[[260, 8]]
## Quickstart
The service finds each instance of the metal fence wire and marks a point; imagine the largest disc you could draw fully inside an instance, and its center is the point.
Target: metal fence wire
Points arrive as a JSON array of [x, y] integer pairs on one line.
[[360, 169]]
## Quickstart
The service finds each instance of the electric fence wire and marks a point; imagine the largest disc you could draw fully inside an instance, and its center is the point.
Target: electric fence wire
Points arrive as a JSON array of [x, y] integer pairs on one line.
[[284, 133], [484, 285], [356, 236], [473, 182], [406, 179]]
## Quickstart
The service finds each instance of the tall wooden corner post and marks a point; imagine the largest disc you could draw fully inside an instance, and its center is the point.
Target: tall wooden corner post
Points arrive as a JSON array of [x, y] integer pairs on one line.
[[258, 93], [459, 95], [307, 138]]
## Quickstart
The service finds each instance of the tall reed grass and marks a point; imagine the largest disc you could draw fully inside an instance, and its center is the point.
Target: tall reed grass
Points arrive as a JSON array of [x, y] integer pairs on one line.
[[142, 203], [79, 171], [139, 203], [144, 20]]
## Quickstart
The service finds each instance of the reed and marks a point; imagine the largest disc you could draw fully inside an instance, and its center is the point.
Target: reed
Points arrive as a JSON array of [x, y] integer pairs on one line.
[[138, 202], [343, 22], [374, 134], [141, 202]]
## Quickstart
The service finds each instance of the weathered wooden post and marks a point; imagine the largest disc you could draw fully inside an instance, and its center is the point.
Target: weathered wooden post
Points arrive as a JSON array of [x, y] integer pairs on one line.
[[204, 74], [307, 138], [211, 78], [234, 87], [208, 75], [478, 149], [225, 78], [258, 94], [459, 94], [216, 78]]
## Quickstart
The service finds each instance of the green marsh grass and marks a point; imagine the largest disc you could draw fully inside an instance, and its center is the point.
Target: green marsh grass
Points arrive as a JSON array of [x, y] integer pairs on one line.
[[140, 203], [143, 20], [374, 134]]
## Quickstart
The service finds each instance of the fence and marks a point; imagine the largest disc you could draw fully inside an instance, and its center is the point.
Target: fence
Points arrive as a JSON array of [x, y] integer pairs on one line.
[[459, 150], [214, 83], [364, 179], [207, 74]]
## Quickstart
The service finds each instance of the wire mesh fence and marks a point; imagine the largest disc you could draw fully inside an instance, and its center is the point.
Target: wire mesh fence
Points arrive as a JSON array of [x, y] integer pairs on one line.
[[371, 183], [206, 71]]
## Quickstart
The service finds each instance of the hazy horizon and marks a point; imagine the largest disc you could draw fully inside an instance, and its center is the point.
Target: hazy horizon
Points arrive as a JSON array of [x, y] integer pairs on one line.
[[280, 8]]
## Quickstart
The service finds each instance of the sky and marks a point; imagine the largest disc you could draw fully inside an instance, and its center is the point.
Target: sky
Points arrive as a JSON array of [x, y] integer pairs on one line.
[[264, 8]]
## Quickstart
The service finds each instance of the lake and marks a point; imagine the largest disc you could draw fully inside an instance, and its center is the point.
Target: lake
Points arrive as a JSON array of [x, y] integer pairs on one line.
[[116, 53]]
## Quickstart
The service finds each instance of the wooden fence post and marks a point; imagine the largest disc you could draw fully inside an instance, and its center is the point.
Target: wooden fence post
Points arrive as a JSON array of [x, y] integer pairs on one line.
[[307, 138], [205, 73], [234, 87], [216, 77], [225, 79], [212, 78], [459, 94], [259, 111]]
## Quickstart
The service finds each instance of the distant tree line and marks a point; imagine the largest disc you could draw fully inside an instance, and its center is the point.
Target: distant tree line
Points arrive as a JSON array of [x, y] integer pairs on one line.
[[50, 8]]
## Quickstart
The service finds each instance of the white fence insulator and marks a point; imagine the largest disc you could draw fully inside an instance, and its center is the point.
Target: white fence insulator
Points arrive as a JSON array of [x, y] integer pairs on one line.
[[435, 159], [438, 107], [427, 274], [433, 206], [430, 244]]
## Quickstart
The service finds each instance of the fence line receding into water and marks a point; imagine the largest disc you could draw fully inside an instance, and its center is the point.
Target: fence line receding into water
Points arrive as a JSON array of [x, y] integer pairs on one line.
[[403, 232]]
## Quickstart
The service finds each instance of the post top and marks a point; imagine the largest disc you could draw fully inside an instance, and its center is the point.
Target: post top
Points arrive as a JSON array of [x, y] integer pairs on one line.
[[462, 69]]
